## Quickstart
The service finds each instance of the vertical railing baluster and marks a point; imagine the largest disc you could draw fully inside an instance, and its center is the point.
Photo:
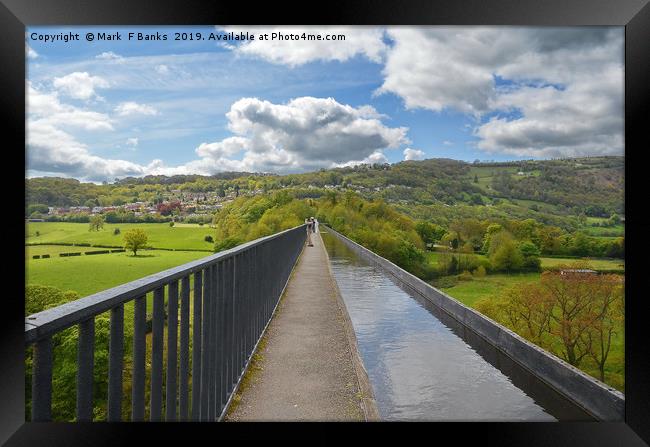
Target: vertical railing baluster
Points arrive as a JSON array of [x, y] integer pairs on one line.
[[245, 311], [85, 370], [220, 338], [212, 355], [250, 313], [115, 364], [217, 339], [239, 302], [155, 401], [205, 343], [185, 350], [233, 329], [172, 340], [42, 381], [244, 323], [196, 346], [139, 351]]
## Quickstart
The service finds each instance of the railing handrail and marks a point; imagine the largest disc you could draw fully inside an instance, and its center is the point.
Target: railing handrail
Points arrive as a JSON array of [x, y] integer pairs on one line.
[[51, 321]]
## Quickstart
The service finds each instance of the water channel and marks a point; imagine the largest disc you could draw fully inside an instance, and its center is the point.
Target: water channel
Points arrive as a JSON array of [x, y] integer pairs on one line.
[[423, 365]]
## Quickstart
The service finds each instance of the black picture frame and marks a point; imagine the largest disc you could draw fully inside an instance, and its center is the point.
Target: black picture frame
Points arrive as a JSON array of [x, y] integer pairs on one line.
[[15, 15]]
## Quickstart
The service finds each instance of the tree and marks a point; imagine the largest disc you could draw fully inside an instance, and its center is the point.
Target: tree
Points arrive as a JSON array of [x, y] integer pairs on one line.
[[37, 208], [531, 255], [96, 223], [430, 233], [134, 240], [504, 253], [571, 294], [607, 314]]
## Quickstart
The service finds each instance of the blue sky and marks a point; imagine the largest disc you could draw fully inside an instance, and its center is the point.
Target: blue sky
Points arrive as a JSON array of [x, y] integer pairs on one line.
[[105, 109]]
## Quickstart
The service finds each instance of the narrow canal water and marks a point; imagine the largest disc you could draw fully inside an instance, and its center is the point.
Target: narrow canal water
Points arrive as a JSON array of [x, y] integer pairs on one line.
[[422, 365]]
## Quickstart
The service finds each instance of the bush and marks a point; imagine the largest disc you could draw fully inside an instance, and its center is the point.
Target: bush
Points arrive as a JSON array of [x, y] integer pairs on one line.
[[171, 224], [116, 232], [226, 244], [97, 252], [445, 282], [465, 276], [480, 271], [208, 238], [45, 256]]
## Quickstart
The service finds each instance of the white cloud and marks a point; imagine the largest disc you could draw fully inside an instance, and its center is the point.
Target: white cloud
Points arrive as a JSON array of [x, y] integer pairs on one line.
[[133, 108], [311, 132], [47, 108], [376, 157], [366, 41], [304, 134], [31, 53], [52, 148], [413, 154], [109, 56], [162, 69], [133, 142], [448, 143], [79, 85], [561, 89], [584, 119], [225, 148]]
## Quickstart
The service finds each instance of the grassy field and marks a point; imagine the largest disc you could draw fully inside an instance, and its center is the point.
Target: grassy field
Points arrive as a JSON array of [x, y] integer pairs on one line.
[[468, 292], [617, 265], [596, 264], [161, 235], [90, 274]]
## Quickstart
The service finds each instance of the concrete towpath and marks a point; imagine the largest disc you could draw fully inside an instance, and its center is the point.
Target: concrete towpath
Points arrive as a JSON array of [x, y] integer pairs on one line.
[[307, 367]]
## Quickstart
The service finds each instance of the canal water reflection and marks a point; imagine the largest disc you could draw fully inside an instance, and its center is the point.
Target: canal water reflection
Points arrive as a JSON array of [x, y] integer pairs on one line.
[[423, 365]]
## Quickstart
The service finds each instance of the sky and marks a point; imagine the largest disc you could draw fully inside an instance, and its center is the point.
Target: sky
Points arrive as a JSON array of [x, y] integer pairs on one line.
[[105, 109]]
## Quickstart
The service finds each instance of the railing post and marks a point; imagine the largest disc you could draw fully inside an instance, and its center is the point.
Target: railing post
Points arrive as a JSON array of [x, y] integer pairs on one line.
[[42, 381], [185, 348], [196, 346], [205, 344], [139, 350], [172, 352], [115, 364], [220, 339], [85, 370], [155, 401]]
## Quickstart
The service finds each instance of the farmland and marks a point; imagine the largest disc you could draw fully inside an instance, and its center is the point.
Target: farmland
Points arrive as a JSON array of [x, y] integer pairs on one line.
[[90, 274], [161, 235]]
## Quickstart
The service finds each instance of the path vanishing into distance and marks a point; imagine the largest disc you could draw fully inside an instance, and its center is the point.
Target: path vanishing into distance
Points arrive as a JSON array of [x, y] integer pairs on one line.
[[307, 366]]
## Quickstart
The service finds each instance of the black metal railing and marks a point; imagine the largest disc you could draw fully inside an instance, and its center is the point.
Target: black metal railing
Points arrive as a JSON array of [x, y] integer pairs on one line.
[[234, 295]]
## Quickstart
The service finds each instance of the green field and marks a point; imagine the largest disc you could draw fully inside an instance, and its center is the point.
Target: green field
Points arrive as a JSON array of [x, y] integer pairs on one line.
[[90, 274], [616, 265], [468, 292], [596, 264], [161, 235]]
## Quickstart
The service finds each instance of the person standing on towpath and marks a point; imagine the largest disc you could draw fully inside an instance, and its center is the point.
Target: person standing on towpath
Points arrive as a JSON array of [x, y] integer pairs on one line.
[[310, 225]]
